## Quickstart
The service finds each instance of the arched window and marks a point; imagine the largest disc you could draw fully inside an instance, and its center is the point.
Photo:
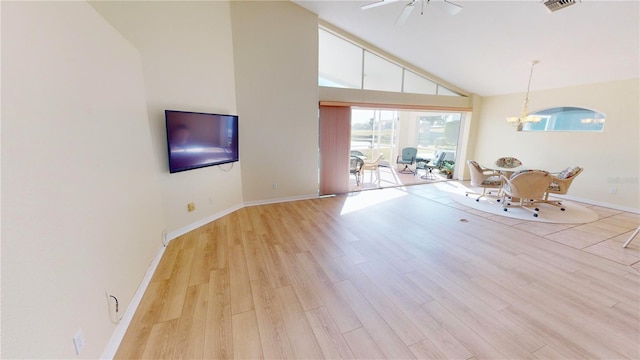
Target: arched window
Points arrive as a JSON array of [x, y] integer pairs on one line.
[[566, 119]]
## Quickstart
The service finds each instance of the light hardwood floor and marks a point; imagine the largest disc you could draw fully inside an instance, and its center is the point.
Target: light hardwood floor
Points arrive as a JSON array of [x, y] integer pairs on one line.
[[392, 273]]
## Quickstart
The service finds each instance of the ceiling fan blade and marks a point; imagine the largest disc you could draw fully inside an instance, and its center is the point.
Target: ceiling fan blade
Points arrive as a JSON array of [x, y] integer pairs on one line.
[[376, 4], [404, 15], [452, 8]]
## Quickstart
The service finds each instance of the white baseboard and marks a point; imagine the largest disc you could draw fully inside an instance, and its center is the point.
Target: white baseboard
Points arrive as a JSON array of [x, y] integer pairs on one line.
[[174, 234], [118, 334], [598, 203], [279, 200]]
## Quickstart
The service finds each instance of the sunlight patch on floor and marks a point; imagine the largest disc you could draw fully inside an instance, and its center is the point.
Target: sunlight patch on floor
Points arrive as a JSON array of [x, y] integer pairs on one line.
[[365, 199]]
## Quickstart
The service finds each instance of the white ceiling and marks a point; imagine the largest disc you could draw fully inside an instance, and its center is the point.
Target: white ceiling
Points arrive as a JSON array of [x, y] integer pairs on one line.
[[488, 47]]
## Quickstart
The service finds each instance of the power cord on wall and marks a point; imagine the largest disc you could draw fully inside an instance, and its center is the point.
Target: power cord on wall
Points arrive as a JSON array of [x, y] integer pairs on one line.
[[225, 170], [117, 308]]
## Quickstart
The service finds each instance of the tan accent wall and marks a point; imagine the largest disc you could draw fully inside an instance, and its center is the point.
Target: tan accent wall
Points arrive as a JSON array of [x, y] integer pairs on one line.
[[81, 206], [187, 59], [275, 47]]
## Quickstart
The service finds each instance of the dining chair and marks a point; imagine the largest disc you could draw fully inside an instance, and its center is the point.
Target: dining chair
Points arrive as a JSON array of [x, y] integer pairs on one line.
[[483, 178], [507, 162], [560, 183], [527, 186]]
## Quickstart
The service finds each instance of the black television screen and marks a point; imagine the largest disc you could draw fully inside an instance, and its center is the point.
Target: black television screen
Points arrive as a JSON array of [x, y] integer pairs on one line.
[[196, 140]]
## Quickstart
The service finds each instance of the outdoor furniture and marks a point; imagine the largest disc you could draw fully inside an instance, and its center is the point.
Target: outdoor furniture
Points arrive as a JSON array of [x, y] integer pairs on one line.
[[355, 168], [435, 165], [408, 158], [373, 166]]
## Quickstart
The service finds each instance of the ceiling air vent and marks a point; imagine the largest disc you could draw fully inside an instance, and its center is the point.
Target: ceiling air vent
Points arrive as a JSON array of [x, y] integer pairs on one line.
[[555, 5]]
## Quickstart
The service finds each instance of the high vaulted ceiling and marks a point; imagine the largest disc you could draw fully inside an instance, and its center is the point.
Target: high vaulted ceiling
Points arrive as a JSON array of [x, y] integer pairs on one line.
[[488, 47]]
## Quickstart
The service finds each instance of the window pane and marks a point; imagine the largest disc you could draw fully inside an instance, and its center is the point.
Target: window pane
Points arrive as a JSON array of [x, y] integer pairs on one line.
[[380, 74], [414, 83], [340, 62], [567, 119]]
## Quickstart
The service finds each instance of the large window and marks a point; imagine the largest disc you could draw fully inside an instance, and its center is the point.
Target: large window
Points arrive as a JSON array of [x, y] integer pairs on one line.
[[379, 74], [344, 64], [344, 71], [566, 119], [383, 131]]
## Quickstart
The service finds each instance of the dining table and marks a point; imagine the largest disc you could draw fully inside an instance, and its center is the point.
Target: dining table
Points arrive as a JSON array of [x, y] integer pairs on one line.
[[507, 172]]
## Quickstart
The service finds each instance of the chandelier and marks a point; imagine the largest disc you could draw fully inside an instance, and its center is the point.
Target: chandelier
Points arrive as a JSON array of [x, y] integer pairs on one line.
[[524, 117]]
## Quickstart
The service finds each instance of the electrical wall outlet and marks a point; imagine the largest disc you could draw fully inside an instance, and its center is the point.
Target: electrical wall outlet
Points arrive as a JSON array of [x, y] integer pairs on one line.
[[78, 342], [191, 206]]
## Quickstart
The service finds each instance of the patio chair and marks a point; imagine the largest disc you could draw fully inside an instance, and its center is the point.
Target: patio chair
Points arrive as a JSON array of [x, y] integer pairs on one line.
[[437, 162], [373, 166], [355, 168], [408, 158]]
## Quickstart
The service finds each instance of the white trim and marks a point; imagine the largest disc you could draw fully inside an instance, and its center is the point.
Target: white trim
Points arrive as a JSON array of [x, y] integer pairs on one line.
[[174, 234], [279, 200], [118, 334], [597, 203]]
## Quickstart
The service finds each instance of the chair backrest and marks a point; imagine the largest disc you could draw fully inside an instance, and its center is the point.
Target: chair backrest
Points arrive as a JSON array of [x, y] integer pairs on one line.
[[409, 153], [440, 159], [570, 172], [508, 162], [560, 183], [375, 161], [355, 164], [530, 184], [477, 176]]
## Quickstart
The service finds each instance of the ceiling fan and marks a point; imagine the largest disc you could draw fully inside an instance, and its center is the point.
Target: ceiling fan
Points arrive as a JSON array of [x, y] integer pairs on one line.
[[449, 7]]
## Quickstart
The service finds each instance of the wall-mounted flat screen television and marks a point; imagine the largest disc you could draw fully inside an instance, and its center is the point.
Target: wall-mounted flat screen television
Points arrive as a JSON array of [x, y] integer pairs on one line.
[[197, 140]]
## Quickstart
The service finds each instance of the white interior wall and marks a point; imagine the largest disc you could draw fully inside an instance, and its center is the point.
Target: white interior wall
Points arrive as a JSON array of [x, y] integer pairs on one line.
[[187, 59], [276, 71], [611, 159], [81, 212]]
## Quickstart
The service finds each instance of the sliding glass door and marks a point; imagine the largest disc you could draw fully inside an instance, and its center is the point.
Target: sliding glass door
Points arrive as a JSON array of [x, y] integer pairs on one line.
[[384, 131], [373, 132]]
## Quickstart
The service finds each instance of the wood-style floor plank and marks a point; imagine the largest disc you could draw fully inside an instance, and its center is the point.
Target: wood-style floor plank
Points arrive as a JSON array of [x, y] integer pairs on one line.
[[218, 341], [392, 273], [246, 336], [329, 338]]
